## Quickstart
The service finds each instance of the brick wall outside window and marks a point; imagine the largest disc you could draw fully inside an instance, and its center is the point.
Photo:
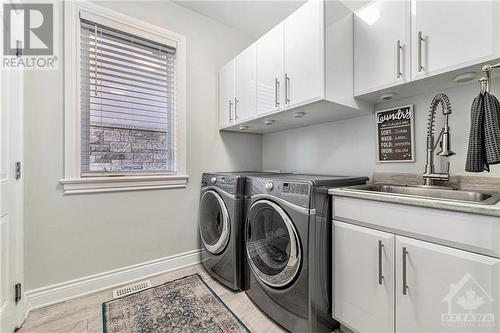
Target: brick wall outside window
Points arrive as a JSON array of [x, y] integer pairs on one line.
[[122, 149]]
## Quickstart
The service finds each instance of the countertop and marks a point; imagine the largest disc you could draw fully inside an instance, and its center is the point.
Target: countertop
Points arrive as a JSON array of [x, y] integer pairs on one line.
[[473, 208], [466, 182]]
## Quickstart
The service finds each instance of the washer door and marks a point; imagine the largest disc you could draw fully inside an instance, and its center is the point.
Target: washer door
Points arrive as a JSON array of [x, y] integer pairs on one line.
[[214, 222], [272, 243]]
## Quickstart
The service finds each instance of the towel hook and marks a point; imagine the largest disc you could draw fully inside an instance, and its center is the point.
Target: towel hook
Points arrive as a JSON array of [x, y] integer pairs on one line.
[[485, 82]]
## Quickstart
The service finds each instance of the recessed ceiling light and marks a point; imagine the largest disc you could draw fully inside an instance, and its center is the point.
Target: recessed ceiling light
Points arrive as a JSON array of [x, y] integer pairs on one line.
[[244, 127], [269, 122], [387, 96], [465, 77], [299, 115]]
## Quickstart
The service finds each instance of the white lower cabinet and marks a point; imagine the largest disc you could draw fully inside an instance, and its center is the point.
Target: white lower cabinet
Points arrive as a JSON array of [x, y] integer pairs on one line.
[[363, 278], [446, 289], [425, 287]]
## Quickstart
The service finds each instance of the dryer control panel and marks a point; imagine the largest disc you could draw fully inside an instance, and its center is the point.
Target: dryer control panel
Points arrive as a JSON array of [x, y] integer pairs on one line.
[[228, 184]]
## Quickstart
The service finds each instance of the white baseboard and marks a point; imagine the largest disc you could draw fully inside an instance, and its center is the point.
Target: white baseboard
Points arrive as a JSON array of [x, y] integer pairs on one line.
[[40, 297]]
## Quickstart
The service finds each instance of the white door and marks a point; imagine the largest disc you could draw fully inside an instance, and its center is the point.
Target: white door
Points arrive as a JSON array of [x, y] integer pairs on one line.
[[363, 278], [11, 229], [381, 45], [454, 35], [270, 69], [304, 55], [245, 106], [447, 289], [226, 94]]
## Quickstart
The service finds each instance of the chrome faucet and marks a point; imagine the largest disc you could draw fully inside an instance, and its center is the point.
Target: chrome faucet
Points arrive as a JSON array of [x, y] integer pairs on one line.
[[430, 175]]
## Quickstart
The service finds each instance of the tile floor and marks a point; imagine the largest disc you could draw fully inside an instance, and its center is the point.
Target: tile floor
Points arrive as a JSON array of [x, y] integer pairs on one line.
[[83, 314]]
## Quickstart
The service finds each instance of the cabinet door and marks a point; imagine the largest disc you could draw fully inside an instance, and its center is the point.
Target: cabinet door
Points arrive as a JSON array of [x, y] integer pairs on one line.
[[270, 69], [304, 55], [454, 35], [362, 300], [245, 105], [381, 45], [226, 94], [447, 289]]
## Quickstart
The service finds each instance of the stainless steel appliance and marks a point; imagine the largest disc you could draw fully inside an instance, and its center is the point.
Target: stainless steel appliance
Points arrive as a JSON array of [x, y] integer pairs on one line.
[[288, 248]]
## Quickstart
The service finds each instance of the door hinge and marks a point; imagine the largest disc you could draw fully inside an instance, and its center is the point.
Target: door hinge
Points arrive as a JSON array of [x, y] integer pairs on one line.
[[18, 170], [18, 292]]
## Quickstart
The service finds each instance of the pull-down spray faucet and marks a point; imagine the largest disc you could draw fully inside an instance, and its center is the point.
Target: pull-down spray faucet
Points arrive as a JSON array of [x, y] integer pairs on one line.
[[430, 175]]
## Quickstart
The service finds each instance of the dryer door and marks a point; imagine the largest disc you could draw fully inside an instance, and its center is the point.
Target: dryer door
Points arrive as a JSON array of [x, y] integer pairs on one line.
[[272, 244], [214, 222]]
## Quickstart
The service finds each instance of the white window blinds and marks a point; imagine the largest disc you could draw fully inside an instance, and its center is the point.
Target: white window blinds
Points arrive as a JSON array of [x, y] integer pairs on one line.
[[127, 102]]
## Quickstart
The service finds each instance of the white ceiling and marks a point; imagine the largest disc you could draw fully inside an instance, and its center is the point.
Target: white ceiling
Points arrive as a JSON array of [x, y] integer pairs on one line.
[[253, 18]]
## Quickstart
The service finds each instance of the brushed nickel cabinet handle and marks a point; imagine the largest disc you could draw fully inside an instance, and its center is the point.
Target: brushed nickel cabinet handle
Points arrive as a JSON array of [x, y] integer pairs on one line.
[[276, 92], [419, 55], [287, 89], [405, 281], [380, 273], [399, 48], [230, 110], [236, 109]]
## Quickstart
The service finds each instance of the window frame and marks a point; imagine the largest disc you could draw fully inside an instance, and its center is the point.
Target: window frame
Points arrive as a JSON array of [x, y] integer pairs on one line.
[[73, 182]]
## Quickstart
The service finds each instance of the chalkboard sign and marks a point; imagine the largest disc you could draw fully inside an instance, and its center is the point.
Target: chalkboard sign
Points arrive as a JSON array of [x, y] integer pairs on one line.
[[395, 135]]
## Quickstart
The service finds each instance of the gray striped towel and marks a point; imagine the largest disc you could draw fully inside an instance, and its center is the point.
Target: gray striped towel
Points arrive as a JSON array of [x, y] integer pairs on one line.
[[484, 137]]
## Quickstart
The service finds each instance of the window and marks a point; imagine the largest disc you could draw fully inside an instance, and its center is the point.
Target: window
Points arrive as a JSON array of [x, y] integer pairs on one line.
[[125, 96], [127, 102]]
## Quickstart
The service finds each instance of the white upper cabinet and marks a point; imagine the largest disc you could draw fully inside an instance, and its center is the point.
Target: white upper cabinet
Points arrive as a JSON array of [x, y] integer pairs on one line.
[[437, 287], [453, 35], [363, 278], [270, 71], [245, 106], [304, 72], [227, 94], [381, 45], [304, 55]]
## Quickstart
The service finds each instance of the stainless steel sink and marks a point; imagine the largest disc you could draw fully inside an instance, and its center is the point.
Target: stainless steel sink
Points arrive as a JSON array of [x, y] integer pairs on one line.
[[446, 194]]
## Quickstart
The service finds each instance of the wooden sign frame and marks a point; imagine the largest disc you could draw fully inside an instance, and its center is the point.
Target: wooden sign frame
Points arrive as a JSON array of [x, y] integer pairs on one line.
[[411, 135]]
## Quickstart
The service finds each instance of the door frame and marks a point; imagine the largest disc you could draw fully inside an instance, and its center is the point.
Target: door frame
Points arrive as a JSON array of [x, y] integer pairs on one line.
[[12, 98]]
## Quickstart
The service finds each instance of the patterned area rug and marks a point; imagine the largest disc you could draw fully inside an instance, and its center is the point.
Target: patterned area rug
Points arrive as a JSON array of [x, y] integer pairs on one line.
[[184, 305]]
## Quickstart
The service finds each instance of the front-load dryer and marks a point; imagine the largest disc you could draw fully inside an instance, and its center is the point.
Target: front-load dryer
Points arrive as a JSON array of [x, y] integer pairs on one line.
[[221, 221], [288, 248]]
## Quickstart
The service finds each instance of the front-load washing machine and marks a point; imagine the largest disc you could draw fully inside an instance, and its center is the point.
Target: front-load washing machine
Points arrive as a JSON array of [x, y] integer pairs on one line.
[[288, 248], [221, 221]]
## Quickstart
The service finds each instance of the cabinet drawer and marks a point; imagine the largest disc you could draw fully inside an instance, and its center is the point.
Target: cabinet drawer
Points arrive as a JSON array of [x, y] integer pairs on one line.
[[471, 232]]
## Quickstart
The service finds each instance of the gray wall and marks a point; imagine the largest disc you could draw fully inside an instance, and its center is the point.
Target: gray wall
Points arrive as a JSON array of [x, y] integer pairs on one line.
[[349, 147], [69, 237]]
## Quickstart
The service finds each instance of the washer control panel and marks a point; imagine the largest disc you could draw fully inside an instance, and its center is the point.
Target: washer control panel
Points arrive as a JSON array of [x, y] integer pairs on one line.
[[293, 191], [269, 186], [295, 188]]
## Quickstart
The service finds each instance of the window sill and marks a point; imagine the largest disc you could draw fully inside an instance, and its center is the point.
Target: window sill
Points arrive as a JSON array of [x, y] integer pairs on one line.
[[123, 183]]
